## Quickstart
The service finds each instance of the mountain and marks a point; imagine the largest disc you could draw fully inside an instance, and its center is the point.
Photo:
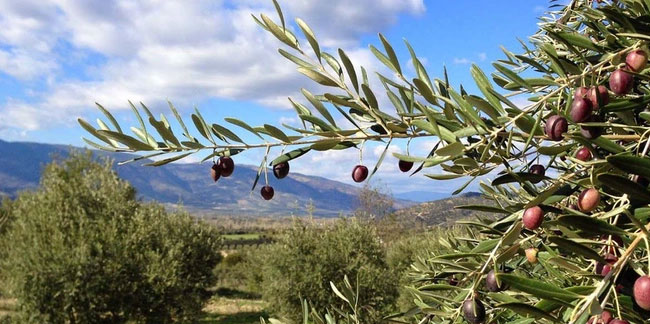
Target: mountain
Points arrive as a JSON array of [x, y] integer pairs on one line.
[[21, 165]]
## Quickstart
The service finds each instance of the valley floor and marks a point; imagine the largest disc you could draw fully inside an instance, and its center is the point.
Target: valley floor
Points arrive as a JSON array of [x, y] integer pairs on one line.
[[219, 310]]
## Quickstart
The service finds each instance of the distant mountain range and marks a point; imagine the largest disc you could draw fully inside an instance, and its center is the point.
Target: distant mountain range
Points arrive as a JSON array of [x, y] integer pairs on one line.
[[190, 185]]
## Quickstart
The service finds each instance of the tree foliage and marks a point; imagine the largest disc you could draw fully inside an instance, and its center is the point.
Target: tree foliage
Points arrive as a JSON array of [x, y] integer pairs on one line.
[[82, 249], [603, 148], [308, 259]]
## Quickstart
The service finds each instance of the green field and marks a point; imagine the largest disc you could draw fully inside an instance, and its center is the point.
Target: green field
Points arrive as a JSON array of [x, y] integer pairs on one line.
[[219, 310], [245, 236]]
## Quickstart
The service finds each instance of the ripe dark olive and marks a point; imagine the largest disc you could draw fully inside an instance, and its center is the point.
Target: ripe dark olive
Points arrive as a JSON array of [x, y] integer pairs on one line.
[[588, 200], [359, 173], [491, 282], [267, 192], [556, 126], [281, 170], [580, 92], [621, 82], [215, 172], [583, 154], [452, 281], [598, 92], [591, 132], [405, 166], [642, 292], [533, 218], [537, 169], [581, 110], [619, 321], [474, 311], [604, 269], [531, 255], [636, 60], [226, 165]]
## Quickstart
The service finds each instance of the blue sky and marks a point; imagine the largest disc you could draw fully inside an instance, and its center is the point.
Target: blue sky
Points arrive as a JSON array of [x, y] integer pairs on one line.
[[58, 57]]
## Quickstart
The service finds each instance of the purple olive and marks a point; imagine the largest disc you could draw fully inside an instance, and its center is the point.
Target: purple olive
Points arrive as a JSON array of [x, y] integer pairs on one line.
[[581, 110], [621, 82], [636, 60], [556, 126]]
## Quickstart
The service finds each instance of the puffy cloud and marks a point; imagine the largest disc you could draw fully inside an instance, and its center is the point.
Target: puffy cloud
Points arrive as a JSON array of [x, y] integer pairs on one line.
[[149, 50]]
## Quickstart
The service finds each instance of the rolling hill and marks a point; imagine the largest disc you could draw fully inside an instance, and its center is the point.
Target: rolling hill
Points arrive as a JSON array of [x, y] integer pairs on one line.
[[189, 184]]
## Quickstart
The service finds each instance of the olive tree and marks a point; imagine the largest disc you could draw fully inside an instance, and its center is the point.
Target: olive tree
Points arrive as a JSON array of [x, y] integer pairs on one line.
[[82, 249], [569, 169]]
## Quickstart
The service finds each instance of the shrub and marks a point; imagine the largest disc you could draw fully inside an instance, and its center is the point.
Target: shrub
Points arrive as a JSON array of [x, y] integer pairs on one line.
[[82, 249], [307, 258]]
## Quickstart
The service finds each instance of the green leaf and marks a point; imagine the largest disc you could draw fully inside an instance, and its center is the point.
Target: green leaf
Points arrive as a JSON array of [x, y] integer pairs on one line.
[[333, 63], [484, 85], [631, 164], [318, 105], [169, 160], [202, 127], [320, 78], [575, 247], [243, 125], [483, 106], [318, 122], [279, 11], [90, 129], [298, 61], [100, 147], [624, 185], [627, 104], [452, 150], [513, 76], [579, 41], [127, 140], [291, 155], [485, 246], [325, 145], [518, 177], [528, 311], [164, 132], [352, 74], [311, 38], [226, 132], [554, 150], [445, 134], [590, 225], [391, 53], [110, 117], [538, 288], [277, 133], [381, 159], [370, 96], [180, 121], [281, 34], [425, 91], [144, 127], [383, 58]]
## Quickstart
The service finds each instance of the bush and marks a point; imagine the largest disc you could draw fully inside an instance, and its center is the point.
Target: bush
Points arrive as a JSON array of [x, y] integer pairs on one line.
[[307, 258], [82, 249]]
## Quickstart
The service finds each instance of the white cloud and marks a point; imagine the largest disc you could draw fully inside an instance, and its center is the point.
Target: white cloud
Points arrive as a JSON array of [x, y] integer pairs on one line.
[[482, 56], [461, 60], [150, 50]]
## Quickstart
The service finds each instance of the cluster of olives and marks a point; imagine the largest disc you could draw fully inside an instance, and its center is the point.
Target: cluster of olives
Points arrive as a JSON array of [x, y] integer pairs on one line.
[[585, 102], [225, 166]]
